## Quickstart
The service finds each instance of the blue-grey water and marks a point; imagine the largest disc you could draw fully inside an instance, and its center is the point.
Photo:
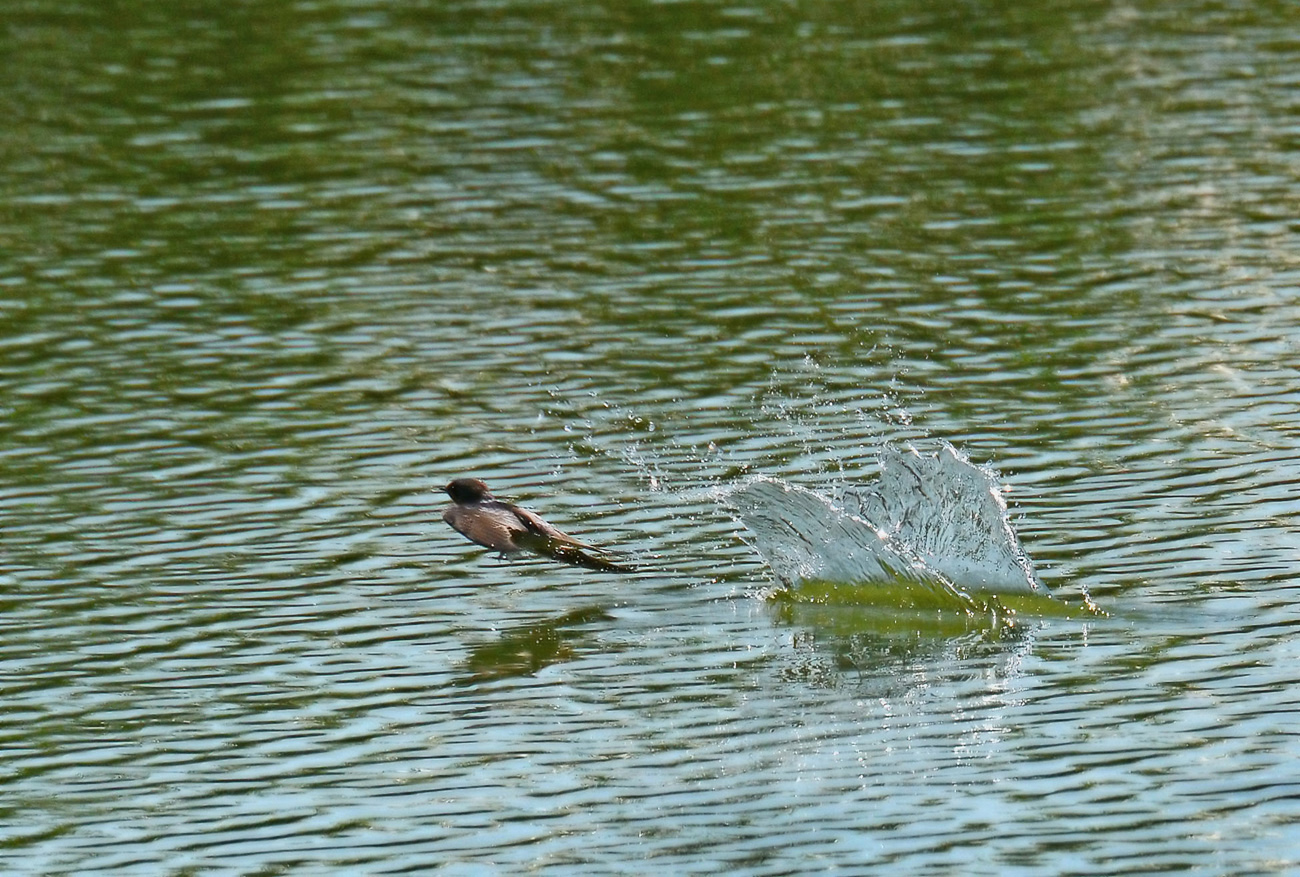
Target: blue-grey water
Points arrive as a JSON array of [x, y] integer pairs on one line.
[[271, 274]]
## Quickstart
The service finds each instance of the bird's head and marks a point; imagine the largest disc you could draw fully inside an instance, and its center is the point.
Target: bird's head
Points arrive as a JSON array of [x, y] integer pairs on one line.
[[468, 490]]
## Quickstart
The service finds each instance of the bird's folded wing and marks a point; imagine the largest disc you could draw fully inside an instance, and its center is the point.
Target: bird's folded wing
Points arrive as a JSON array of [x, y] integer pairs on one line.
[[568, 551], [538, 527]]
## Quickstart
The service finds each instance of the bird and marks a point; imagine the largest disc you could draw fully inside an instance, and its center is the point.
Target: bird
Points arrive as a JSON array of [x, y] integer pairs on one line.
[[508, 529]]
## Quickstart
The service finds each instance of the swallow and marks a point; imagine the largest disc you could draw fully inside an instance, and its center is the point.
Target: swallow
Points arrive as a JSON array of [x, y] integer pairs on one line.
[[507, 529]]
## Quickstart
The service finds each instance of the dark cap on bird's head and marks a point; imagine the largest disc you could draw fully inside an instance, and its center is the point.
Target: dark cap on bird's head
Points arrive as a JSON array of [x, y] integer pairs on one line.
[[470, 490]]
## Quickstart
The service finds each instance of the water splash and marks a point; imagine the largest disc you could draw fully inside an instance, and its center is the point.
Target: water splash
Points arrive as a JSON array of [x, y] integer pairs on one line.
[[933, 520]]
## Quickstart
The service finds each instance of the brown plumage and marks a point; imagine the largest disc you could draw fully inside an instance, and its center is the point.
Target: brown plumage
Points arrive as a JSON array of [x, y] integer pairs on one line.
[[507, 529]]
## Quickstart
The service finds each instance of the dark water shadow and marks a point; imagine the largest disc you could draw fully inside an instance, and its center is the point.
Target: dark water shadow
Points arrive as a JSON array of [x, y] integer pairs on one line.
[[528, 649]]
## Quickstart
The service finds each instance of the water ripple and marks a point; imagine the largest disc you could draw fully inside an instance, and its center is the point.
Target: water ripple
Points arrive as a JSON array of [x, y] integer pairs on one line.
[[272, 281]]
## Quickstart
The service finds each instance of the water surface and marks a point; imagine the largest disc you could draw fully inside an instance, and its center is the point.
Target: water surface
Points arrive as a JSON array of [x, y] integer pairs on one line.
[[274, 273]]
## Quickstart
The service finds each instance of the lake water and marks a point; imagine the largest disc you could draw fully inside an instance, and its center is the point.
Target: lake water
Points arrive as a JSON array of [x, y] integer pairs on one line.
[[271, 274]]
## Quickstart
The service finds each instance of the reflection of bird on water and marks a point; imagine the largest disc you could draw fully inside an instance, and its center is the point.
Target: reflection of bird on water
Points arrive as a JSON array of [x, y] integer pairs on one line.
[[526, 650], [507, 529]]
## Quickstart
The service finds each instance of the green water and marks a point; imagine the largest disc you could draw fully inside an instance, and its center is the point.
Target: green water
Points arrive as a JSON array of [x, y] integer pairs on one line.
[[273, 273]]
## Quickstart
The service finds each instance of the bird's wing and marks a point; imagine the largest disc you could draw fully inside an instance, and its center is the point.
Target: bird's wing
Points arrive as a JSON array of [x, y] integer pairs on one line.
[[496, 531], [509, 529], [538, 527], [575, 556]]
